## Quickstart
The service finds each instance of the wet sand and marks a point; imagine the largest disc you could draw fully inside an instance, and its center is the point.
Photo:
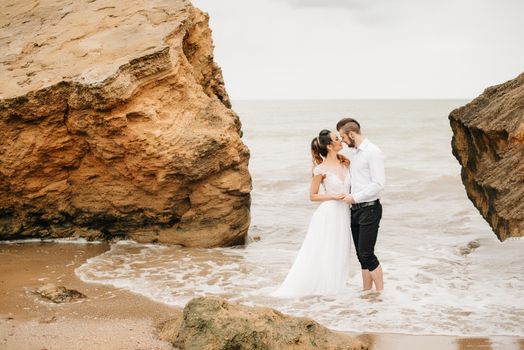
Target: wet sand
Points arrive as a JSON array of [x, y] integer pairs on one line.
[[112, 318]]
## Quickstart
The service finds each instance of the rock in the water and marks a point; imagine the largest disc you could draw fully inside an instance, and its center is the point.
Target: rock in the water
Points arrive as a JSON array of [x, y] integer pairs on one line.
[[59, 294], [473, 244], [214, 324], [114, 122], [488, 141], [465, 251]]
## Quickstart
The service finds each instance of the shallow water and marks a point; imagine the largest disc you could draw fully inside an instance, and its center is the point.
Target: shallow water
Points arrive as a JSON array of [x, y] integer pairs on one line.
[[432, 287]]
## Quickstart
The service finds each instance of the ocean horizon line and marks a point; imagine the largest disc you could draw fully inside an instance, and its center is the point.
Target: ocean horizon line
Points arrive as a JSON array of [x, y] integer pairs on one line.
[[348, 99]]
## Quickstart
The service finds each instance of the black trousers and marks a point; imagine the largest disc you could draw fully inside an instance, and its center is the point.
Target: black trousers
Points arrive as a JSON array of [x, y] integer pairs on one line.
[[364, 228]]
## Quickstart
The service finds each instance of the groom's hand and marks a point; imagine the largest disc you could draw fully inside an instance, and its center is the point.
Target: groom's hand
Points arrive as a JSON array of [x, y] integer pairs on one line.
[[348, 199], [338, 197]]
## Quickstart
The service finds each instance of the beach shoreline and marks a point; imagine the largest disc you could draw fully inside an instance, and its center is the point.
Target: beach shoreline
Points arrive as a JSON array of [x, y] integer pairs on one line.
[[113, 318]]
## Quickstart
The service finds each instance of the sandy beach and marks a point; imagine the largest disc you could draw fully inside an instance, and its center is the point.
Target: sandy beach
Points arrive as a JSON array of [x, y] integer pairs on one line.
[[112, 318], [108, 319]]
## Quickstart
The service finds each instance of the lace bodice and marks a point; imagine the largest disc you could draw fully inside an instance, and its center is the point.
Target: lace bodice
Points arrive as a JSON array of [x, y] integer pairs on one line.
[[333, 182]]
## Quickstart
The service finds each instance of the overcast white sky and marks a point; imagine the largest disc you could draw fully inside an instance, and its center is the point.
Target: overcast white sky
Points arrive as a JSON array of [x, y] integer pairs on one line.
[[338, 49]]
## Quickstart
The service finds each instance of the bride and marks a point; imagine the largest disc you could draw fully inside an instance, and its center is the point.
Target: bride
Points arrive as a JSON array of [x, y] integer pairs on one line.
[[322, 264]]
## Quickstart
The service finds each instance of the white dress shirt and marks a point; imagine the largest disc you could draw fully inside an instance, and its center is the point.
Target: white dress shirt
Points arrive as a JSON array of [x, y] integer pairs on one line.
[[366, 172]]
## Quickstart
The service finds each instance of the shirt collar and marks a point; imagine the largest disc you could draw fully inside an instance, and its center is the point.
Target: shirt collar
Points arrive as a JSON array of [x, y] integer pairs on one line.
[[364, 144]]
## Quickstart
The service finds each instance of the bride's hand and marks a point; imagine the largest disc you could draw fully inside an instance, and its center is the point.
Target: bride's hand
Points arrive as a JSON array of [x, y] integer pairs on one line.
[[348, 199]]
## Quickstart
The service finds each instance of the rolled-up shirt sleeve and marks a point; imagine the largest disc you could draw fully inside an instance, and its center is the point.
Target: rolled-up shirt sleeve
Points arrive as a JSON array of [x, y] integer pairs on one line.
[[378, 178]]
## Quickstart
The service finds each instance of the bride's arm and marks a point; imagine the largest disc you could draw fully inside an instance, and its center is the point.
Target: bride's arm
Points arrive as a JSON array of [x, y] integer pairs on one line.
[[313, 192]]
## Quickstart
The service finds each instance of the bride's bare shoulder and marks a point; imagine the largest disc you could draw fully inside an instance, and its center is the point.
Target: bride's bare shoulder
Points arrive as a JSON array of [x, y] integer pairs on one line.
[[319, 169]]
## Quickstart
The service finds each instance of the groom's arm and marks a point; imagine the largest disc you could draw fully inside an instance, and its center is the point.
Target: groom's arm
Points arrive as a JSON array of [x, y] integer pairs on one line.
[[378, 178]]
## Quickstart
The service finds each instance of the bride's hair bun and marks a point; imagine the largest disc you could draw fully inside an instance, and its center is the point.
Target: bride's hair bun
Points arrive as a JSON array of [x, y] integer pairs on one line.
[[324, 139], [319, 146]]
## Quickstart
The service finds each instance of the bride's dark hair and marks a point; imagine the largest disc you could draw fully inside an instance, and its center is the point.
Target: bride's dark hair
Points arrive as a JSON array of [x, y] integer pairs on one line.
[[319, 148]]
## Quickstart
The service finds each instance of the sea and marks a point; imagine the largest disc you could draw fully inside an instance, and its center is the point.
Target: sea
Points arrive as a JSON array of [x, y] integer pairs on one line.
[[445, 271]]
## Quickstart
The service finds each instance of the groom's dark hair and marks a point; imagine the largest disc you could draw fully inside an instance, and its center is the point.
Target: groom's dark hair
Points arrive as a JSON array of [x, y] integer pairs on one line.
[[351, 126], [344, 121]]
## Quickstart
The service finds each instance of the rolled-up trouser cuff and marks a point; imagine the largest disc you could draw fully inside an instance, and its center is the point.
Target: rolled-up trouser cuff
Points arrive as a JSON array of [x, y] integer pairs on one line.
[[373, 265]]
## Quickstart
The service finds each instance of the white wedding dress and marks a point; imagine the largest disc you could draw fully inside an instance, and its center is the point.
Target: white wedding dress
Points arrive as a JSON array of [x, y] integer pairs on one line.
[[322, 264]]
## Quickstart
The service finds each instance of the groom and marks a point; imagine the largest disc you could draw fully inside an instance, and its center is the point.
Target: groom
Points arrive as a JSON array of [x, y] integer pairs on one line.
[[367, 182]]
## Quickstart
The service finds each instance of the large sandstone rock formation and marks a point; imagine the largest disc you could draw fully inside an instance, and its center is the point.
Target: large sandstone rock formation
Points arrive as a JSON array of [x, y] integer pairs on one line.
[[114, 121], [214, 324], [488, 141]]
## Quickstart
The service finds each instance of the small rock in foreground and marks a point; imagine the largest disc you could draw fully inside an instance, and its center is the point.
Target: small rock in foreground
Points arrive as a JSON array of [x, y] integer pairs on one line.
[[59, 294]]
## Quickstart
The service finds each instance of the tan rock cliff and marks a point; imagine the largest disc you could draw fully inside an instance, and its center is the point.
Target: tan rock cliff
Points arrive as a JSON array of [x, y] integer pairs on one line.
[[488, 141], [114, 122]]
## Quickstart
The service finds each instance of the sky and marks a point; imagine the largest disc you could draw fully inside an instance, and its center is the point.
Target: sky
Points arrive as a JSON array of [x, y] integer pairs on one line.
[[365, 49]]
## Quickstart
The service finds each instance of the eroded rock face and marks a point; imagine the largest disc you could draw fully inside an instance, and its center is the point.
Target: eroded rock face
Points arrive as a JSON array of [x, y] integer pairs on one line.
[[488, 141], [214, 324], [114, 122]]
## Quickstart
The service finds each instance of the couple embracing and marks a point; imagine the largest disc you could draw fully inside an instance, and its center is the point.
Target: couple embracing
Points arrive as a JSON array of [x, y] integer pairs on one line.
[[350, 201]]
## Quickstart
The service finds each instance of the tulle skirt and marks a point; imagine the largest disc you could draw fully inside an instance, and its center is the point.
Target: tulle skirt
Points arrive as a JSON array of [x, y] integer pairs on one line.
[[322, 264]]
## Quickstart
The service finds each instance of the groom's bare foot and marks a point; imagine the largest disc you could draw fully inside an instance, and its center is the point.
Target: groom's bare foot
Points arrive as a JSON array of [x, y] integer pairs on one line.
[[367, 294], [371, 295]]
